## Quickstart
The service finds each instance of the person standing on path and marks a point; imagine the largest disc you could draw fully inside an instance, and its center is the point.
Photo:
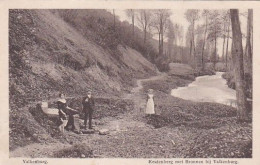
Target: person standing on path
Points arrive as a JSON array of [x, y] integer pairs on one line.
[[88, 104], [150, 103]]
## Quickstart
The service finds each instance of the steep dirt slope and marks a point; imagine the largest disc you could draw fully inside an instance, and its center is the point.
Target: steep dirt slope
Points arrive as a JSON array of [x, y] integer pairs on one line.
[[56, 56], [47, 56]]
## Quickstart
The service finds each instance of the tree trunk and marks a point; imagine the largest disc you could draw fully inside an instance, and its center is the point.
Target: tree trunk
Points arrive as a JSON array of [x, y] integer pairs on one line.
[[193, 44], [160, 53], [227, 45], [215, 53], [144, 35], [190, 52], [237, 57], [145, 27], [162, 41], [251, 28], [248, 50], [133, 22], [161, 38], [203, 46], [223, 50], [114, 19], [182, 57]]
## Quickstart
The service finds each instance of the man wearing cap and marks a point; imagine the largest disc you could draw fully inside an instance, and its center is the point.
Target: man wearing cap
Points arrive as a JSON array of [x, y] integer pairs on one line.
[[88, 108]]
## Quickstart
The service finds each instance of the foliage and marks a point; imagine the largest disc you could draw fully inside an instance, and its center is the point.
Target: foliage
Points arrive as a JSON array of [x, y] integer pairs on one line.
[[101, 23]]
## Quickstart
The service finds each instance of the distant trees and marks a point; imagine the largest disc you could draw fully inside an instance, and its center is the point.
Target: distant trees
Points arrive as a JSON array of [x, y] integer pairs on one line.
[[237, 57], [144, 18], [68, 15], [131, 14], [171, 38], [199, 41], [174, 50], [216, 25], [215, 31], [181, 39], [160, 22], [206, 30], [189, 43], [224, 34], [205, 14], [203, 38], [192, 15]]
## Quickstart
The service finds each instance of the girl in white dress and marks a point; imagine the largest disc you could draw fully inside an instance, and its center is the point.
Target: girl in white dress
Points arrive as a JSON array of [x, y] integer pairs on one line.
[[150, 103]]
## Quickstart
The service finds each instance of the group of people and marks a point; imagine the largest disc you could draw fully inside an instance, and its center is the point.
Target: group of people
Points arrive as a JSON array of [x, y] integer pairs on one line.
[[66, 114]]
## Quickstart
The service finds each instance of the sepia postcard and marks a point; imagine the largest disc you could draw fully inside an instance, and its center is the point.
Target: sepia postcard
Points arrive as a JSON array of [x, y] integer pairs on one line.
[[129, 82]]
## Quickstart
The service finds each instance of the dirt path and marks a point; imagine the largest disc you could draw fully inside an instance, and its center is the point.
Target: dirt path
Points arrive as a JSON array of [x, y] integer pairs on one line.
[[130, 120], [121, 123], [140, 81]]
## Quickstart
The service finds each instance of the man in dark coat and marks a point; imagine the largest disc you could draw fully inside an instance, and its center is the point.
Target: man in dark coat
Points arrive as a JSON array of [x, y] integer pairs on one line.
[[88, 104]]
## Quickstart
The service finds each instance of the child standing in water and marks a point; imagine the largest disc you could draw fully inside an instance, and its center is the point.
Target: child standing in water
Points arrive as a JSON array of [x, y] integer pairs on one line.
[[150, 103]]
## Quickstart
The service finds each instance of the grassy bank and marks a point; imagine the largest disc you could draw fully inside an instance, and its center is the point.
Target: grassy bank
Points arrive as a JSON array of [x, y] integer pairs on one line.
[[167, 83]]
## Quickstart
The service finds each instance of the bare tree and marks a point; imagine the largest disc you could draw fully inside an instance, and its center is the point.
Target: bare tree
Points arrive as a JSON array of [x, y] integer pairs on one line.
[[131, 14], [205, 14], [161, 18], [171, 38], [237, 58], [189, 43], [114, 14], [144, 19], [248, 49], [181, 39], [228, 26], [214, 31], [177, 32], [192, 16], [224, 37]]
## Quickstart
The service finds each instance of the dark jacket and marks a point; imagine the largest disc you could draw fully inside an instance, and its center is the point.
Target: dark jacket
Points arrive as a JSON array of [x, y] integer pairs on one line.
[[62, 112], [88, 103], [61, 106]]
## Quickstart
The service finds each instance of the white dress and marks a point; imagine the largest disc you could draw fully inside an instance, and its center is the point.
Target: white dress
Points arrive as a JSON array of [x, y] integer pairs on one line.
[[150, 105]]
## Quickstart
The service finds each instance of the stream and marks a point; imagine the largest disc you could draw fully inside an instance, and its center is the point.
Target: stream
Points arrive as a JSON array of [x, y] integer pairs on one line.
[[211, 88]]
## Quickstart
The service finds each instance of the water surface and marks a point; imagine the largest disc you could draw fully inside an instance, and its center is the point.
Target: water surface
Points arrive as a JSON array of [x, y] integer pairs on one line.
[[207, 89]]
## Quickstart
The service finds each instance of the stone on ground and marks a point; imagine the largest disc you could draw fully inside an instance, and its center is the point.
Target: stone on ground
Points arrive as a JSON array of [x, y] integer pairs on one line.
[[103, 132], [88, 131]]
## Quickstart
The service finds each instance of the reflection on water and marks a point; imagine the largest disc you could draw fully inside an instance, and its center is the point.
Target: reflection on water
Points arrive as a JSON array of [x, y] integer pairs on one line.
[[207, 89]]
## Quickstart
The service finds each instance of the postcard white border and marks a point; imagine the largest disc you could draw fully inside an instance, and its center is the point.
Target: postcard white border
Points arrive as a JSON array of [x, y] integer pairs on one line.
[[5, 5]]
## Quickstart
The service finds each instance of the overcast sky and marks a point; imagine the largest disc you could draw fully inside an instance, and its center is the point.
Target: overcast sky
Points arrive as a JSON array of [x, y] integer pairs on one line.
[[178, 17]]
